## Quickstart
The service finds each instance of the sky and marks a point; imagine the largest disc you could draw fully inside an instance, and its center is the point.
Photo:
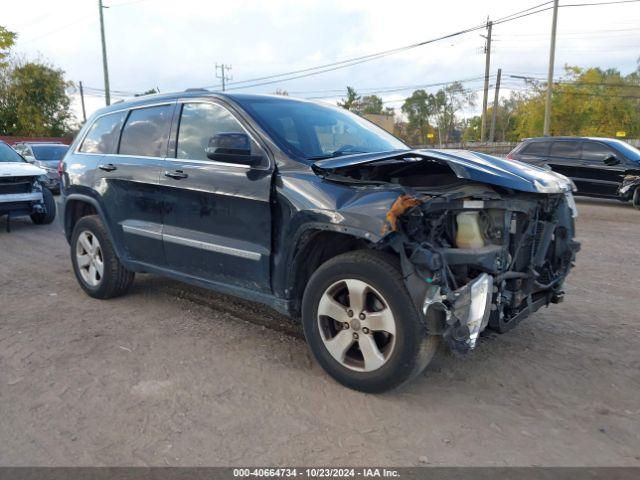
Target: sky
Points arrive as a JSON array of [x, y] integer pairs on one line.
[[174, 45]]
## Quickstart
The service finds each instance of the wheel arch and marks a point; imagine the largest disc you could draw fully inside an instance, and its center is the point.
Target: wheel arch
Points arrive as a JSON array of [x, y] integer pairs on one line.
[[315, 245], [78, 205]]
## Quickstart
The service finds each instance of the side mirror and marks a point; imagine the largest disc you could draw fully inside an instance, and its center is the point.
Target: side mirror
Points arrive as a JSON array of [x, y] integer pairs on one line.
[[232, 148], [611, 161]]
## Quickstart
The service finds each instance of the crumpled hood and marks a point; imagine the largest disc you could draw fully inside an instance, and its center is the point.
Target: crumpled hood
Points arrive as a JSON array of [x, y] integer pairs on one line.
[[468, 165], [20, 169]]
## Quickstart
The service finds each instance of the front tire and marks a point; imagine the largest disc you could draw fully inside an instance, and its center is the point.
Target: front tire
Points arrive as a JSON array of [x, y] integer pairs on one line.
[[95, 263], [636, 198], [361, 324], [46, 217]]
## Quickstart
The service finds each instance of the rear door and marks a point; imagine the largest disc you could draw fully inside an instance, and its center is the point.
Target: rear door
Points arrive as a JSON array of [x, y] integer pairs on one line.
[[564, 158], [599, 178], [217, 216], [129, 181]]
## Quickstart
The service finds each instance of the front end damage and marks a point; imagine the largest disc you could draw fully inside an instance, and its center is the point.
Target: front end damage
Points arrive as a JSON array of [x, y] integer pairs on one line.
[[480, 258], [481, 243]]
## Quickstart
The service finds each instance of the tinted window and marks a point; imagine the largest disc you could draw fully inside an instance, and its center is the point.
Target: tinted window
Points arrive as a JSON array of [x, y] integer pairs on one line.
[[199, 122], [146, 132], [8, 154], [49, 152], [536, 148], [595, 151], [565, 149], [102, 136]]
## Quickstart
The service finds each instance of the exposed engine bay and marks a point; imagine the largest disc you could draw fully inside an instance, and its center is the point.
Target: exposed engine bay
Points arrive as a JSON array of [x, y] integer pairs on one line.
[[474, 255]]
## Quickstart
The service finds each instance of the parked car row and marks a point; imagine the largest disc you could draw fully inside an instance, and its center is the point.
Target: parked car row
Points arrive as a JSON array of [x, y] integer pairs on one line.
[[382, 251]]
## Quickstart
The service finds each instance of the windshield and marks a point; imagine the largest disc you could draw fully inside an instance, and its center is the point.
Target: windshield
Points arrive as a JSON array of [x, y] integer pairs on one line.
[[631, 152], [312, 131], [47, 153], [8, 154]]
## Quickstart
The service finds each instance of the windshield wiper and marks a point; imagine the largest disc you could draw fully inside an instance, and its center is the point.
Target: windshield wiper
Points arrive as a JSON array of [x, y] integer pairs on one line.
[[337, 153]]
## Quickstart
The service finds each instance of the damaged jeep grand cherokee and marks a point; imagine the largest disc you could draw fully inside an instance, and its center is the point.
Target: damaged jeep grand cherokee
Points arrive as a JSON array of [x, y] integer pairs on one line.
[[381, 250]]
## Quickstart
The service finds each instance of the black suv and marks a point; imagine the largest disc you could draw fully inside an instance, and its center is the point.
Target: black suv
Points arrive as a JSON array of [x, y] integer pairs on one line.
[[381, 250], [599, 167]]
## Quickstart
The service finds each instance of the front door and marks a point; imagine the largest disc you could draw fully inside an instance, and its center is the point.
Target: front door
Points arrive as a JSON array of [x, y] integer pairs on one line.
[[217, 216], [600, 178]]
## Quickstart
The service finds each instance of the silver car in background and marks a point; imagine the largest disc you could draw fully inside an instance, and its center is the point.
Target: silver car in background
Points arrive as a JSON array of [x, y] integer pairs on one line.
[[45, 155]]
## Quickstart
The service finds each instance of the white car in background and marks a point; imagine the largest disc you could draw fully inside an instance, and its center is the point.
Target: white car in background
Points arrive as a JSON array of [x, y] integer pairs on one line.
[[21, 189]]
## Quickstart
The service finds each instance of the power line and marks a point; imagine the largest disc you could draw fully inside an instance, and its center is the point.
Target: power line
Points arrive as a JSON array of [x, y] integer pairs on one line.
[[328, 67]]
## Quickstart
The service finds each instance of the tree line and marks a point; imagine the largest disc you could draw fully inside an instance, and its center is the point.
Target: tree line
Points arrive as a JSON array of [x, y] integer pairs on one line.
[[586, 102]]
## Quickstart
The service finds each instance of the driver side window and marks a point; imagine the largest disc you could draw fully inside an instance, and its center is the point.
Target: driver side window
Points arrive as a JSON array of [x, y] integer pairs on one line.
[[199, 124]]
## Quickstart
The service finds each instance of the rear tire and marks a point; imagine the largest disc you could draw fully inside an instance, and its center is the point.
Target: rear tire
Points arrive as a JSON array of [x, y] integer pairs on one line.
[[359, 351], [95, 263], [49, 215], [636, 198]]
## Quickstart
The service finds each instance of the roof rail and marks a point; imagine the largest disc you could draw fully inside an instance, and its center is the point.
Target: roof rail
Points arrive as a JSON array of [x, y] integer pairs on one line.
[[197, 90]]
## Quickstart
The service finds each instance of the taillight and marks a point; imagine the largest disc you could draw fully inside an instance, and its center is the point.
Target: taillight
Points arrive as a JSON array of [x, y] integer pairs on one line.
[[60, 168], [509, 156]]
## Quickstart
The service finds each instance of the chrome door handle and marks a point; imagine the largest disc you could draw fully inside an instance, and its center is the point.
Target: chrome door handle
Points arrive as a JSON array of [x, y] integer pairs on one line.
[[176, 174], [109, 167]]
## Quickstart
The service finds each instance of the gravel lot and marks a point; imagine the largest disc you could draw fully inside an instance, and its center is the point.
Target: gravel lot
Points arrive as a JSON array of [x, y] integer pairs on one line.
[[175, 375]]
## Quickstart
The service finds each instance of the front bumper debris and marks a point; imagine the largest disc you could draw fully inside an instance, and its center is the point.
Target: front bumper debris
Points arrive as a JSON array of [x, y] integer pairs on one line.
[[469, 313]]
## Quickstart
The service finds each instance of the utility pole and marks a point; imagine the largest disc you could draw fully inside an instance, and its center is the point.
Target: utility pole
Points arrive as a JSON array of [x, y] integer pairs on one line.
[[494, 113], [223, 75], [552, 56], [84, 112], [487, 50], [105, 69]]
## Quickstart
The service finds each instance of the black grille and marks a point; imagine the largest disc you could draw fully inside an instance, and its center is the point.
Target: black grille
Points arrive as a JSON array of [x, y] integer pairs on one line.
[[14, 185]]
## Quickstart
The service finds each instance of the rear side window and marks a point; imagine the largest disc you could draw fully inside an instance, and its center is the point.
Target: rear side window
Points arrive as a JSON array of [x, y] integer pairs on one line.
[[199, 122], [146, 132], [102, 136], [535, 148], [596, 151], [565, 149]]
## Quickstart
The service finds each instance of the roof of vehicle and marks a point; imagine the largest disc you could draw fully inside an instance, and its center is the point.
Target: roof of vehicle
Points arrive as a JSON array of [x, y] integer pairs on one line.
[[542, 139], [55, 144], [190, 93]]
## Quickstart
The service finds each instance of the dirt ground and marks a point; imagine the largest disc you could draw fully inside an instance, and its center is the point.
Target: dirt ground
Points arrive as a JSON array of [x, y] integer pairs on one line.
[[175, 375]]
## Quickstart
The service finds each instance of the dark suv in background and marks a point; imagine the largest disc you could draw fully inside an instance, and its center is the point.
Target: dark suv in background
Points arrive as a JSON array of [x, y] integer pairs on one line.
[[381, 250], [599, 167]]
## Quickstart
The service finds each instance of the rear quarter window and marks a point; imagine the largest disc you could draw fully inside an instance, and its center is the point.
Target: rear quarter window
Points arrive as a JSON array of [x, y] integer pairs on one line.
[[102, 136], [535, 148]]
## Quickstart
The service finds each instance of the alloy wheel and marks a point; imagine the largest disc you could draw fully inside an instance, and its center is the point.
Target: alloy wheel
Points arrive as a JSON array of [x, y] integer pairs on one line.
[[356, 325], [89, 258]]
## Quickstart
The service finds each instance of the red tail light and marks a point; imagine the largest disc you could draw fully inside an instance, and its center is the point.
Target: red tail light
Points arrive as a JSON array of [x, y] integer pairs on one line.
[[509, 156], [60, 168]]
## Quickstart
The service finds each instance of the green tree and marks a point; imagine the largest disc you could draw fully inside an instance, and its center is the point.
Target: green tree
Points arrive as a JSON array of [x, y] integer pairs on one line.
[[371, 104], [352, 100], [153, 91], [7, 40], [33, 101], [418, 108], [448, 102]]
